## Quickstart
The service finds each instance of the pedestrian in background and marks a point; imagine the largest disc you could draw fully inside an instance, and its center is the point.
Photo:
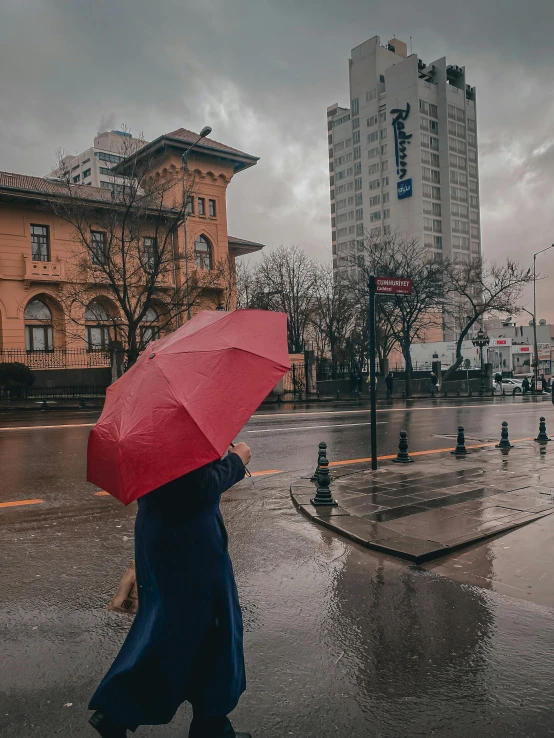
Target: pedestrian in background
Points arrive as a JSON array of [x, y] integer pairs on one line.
[[186, 640], [525, 385], [532, 387], [433, 382], [544, 384], [498, 382], [389, 382]]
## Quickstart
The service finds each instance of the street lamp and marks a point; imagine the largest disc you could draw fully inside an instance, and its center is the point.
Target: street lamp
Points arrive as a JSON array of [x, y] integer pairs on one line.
[[203, 133], [481, 340], [536, 347]]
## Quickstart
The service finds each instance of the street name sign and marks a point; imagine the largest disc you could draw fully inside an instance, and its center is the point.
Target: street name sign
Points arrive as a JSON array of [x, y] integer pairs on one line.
[[393, 286]]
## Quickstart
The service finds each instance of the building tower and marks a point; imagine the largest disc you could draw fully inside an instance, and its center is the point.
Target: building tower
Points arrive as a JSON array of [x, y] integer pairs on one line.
[[403, 158]]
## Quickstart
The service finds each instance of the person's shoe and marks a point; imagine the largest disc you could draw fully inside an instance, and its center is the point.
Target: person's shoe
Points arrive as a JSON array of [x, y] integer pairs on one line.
[[106, 728]]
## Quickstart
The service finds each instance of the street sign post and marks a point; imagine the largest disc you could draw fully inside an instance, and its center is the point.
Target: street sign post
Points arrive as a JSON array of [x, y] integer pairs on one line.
[[379, 286]]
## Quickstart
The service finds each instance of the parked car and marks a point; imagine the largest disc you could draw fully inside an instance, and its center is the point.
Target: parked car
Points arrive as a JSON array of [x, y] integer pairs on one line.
[[510, 385]]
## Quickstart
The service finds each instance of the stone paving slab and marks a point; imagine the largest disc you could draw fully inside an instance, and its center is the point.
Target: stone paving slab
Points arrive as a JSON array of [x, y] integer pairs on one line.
[[439, 506]]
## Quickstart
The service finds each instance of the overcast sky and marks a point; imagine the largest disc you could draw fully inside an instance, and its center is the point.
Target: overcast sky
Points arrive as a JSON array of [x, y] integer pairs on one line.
[[262, 73]]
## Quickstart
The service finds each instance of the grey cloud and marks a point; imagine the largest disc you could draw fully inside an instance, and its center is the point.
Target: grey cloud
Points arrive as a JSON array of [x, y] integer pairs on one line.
[[262, 74]]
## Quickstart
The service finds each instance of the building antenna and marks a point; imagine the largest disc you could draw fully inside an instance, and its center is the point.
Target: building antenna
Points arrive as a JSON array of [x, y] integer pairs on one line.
[[411, 52]]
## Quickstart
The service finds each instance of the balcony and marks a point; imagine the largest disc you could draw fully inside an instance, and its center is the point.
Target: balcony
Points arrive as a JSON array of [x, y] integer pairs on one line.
[[43, 271]]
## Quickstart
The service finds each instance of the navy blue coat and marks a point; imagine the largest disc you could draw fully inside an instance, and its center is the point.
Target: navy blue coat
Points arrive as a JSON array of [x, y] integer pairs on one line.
[[186, 640]]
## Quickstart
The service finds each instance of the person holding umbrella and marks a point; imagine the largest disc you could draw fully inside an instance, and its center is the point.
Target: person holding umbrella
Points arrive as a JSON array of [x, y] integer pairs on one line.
[[159, 441]]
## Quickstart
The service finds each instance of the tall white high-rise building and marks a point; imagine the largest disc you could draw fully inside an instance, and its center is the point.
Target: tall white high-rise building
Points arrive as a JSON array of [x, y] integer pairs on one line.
[[403, 157]]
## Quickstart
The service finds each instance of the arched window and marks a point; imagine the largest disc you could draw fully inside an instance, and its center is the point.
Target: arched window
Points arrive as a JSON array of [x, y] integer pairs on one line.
[[151, 330], [97, 326], [202, 253], [38, 327]]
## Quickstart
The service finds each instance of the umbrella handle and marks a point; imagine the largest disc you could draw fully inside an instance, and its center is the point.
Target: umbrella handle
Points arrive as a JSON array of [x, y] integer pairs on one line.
[[246, 469]]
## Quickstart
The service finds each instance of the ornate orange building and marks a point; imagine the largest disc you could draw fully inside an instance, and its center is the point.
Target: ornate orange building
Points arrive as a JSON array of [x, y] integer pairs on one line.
[[35, 247]]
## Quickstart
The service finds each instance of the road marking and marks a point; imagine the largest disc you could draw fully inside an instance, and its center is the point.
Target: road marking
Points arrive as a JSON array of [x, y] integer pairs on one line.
[[45, 427], [102, 493], [17, 503], [312, 427], [422, 453]]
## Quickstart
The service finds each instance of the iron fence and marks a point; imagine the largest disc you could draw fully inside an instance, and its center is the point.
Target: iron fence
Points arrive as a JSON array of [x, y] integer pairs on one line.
[[57, 358], [45, 393]]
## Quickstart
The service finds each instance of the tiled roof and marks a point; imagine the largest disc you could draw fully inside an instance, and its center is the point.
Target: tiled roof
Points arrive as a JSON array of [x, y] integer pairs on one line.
[[183, 134], [50, 186]]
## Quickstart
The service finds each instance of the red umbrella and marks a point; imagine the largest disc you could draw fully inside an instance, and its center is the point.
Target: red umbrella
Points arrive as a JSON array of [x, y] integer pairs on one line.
[[184, 401]]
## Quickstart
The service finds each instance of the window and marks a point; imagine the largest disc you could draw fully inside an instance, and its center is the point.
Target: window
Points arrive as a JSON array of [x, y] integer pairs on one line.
[[342, 232], [151, 331], [435, 176], [384, 149], [372, 121], [202, 204], [386, 230], [372, 153], [428, 207], [150, 251], [357, 169], [385, 181], [433, 126], [435, 160], [385, 166], [471, 124], [359, 199], [356, 137], [382, 79], [211, 206], [375, 216], [433, 112], [355, 106], [97, 327], [355, 123], [74, 169], [375, 232], [375, 184], [434, 143], [357, 152], [426, 174], [386, 197], [436, 193], [425, 140], [452, 127], [475, 247], [360, 229], [474, 216], [358, 183], [460, 114], [359, 213], [38, 327], [424, 107], [190, 205], [111, 158], [452, 112], [382, 117], [386, 214], [425, 156], [371, 95], [437, 209], [339, 147], [373, 169], [340, 121], [460, 242], [474, 232], [472, 139], [383, 132], [437, 226], [424, 123], [473, 170], [105, 171], [460, 130], [76, 179], [458, 193], [373, 201], [474, 201], [373, 136], [98, 248], [428, 224], [86, 173], [40, 243], [427, 190], [202, 253]]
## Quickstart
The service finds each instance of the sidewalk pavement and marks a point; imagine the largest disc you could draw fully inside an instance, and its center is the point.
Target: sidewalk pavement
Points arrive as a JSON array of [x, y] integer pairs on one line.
[[425, 510]]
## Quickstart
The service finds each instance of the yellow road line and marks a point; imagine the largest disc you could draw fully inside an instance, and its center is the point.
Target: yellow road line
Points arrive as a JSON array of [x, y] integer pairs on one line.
[[44, 427], [264, 473], [102, 493], [422, 453], [17, 503]]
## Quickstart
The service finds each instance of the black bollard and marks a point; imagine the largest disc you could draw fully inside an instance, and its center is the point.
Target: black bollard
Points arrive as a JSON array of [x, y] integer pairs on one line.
[[403, 394], [44, 405], [504, 440], [445, 393], [460, 449], [82, 402], [323, 497], [318, 394], [338, 394], [402, 456], [321, 453], [458, 393], [542, 437], [278, 398], [470, 393]]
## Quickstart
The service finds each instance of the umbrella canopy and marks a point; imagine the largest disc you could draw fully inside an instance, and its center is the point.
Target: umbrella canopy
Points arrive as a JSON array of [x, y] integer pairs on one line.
[[184, 401]]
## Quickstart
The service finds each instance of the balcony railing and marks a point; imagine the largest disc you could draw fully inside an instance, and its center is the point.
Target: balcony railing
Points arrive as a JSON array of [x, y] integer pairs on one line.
[[57, 359], [43, 271]]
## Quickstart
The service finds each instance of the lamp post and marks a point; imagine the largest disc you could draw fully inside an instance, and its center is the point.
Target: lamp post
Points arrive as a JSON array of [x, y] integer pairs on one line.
[[535, 346], [481, 340], [203, 133]]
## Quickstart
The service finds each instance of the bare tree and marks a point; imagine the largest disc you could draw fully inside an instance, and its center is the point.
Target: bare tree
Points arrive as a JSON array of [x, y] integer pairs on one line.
[[287, 279], [332, 316], [405, 318], [479, 288], [125, 251]]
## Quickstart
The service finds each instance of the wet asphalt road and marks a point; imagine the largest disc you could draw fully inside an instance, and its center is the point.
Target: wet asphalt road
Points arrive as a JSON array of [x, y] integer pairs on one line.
[[339, 641]]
